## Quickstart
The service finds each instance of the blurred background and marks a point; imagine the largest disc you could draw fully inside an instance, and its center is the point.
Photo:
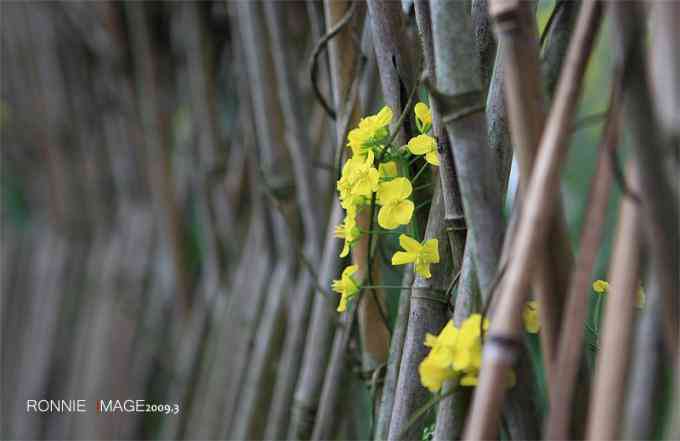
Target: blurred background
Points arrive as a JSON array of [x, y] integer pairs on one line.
[[145, 229]]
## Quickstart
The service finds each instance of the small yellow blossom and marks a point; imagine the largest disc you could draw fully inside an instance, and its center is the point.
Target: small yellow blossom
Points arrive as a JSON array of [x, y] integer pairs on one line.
[[348, 230], [437, 367], [424, 145], [468, 355], [395, 208], [422, 255], [371, 131], [641, 298], [423, 117], [347, 287], [530, 316], [359, 179], [388, 170], [600, 286]]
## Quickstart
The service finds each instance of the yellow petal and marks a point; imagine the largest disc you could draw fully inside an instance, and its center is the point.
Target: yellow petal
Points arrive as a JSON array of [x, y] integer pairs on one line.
[[423, 269], [384, 117], [600, 286], [409, 244], [345, 250], [432, 157], [388, 170], [402, 212], [430, 251], [421, 144], [386, 218], [423, 113], [402, 258]]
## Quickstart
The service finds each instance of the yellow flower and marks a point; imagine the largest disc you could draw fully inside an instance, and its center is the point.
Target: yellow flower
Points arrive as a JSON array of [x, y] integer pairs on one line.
[[437, 367], [600, 286], [424, 145], [422, 255], [468, 356], [348, 230], [395, 208], [347, 287], [530, 316], [641, 298], [359, 179], [372, 130], [388, 170], [433, 373], [423, 117]]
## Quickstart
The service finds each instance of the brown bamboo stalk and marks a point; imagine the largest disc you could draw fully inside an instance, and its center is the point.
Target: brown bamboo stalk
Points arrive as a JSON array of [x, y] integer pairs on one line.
[[570, 345], [652, 150], [342, 55], [300, 148], [503, 340], [382, 425], [253, 392], [606, 407], [155, 139], [645, 391], [556, 43], [516, 29]]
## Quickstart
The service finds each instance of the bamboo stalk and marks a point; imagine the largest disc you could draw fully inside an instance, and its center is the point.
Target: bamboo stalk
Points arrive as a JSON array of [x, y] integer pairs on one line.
[[428, 313], [648, 382], [311, 383], [155, 139], [606, 407], [394, 359], [576, 311], [502, 343], [516, 29], [556, 43], [451, 410], [660, 202]]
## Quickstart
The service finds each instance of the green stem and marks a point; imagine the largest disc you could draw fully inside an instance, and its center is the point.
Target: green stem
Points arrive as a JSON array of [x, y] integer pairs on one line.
[[596, 319], [422, 169]]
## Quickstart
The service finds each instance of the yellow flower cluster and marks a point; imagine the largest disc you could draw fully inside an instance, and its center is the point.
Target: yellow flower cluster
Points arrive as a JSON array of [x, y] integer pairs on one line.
[[456, 354], [362, 179]]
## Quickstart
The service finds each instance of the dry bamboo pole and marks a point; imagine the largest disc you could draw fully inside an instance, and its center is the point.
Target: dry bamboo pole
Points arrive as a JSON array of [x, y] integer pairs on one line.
[[516, 30], [462, 110], [651, 149], [252, 393], [606, 407], [428, 313], [665, 64], [343, 69], [653, 153], [453, 209], [503, 340], [556, 42], [569, 353], [451, 410], [460, 101], [155, 130], [645, 389], [382, 424]]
